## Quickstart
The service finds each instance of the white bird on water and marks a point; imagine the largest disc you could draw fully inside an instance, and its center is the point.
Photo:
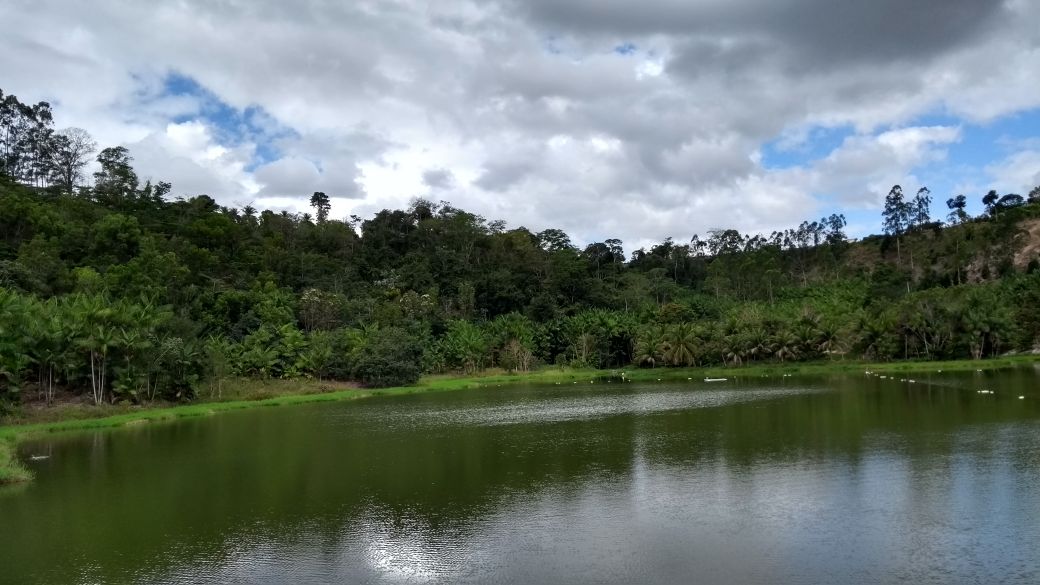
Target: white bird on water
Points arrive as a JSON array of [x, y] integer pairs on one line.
[[39, 457]]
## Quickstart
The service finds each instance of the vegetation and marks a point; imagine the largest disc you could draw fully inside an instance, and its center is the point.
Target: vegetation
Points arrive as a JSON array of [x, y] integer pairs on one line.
[[11, 471], [117, 293]]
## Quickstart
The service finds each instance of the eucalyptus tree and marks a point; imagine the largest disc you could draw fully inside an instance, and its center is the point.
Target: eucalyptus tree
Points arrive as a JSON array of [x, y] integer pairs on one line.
[[919, 212], [895, 217]]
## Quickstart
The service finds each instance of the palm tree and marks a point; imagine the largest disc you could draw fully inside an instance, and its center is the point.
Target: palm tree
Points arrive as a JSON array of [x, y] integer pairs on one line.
[[786, 346], [681, 345], [827, 341], [807, 337], [733, 349], [756, 343], [98, 341], [648, 348], [48, 348], [132, 343]]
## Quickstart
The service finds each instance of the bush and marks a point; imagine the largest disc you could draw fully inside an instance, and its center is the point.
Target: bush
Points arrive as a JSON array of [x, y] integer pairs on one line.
[[389, 357]]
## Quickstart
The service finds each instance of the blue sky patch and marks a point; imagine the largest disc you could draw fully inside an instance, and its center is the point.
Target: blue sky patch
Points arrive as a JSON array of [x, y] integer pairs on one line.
[[625, 49], [231, 126], [963, 171], [819, 141]]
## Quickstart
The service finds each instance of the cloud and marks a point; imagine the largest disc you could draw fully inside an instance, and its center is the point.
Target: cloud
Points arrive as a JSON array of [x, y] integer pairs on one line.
[[291, 176], [1018, 173], [603, 117], [187, 156], [438, 178]]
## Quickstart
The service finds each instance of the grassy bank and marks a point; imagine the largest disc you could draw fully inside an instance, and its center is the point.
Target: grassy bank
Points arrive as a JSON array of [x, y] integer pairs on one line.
[[11, 470], [829, 367], [242, 394]]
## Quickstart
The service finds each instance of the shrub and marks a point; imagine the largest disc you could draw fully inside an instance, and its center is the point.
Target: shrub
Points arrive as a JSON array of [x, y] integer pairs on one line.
[[389, 357]]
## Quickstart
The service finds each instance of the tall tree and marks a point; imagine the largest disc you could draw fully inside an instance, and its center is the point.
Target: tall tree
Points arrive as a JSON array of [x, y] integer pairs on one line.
[[70, 153], [956, 206], [1009, 201], [894, 216], [990, 201], [322, 206], [1034, 195], [919, 212], [116, 181]]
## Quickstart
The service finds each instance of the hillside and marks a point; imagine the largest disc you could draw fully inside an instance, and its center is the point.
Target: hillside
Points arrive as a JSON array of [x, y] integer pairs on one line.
[[115, 291], [127, 295]]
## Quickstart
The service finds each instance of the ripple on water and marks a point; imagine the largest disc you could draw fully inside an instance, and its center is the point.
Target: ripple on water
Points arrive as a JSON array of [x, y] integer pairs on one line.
[[585, 407]]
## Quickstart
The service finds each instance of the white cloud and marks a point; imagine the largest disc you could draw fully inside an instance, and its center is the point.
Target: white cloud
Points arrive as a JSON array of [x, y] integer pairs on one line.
[[186, 155], [1018, 173], [526, 106]]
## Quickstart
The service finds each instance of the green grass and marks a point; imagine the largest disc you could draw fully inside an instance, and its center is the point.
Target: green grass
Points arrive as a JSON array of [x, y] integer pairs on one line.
[[252, 394], [11, 470], [828, 367]]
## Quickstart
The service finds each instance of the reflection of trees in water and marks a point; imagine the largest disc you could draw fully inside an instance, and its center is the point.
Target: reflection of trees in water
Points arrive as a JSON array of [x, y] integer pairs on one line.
[[302, 479]]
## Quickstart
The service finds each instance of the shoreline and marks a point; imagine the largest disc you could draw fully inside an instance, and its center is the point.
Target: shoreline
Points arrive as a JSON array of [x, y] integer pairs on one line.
[[310, 391]]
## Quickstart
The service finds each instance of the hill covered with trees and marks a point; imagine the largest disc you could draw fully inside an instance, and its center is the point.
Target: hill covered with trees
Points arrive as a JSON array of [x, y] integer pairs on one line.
[[115, 291]]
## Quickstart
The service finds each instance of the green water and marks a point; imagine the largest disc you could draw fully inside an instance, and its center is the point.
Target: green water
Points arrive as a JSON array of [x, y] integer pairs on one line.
[[786, 480]]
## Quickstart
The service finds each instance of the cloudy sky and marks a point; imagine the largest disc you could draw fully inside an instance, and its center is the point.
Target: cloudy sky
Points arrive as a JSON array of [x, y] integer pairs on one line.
[[606, 118]]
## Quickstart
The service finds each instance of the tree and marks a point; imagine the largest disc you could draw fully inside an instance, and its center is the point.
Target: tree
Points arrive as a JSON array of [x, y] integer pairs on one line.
[[894, 216], [990, 201], [897, 218], [322, 206], [956, 205], [318, 358], [465, 345], [116, 181], [1034, 195], [70, 153], [787, 346], [389, 357], [681, 345], [919, 212], [554, 240], [1009, 201], [26, 140], [649, 347]]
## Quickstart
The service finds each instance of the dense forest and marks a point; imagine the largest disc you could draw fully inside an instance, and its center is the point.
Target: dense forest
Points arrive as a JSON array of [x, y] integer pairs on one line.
[[112, 290]]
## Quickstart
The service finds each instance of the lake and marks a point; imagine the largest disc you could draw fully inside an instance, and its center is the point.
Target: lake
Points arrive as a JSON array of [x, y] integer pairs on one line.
[[843, 479]]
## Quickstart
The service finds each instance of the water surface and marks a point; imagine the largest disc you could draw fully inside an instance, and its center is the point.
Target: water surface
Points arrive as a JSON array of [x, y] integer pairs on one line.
[[796, 480]]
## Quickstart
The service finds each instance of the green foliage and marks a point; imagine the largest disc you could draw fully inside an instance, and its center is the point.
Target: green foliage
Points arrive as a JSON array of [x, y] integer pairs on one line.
[[464, 346], [118, 293], [389, 357]]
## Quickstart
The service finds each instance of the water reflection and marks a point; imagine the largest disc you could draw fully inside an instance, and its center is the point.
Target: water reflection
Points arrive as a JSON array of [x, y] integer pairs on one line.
[[810, 481]]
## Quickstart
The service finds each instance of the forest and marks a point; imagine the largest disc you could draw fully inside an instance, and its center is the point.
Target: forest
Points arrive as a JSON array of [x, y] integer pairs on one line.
[[112, 290]]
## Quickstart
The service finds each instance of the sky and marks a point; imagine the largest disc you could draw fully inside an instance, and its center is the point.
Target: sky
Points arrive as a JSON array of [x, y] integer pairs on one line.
[[605, 118]]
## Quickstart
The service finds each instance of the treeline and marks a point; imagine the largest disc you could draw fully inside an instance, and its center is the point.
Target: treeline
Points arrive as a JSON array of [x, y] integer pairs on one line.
[[116, 291]]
